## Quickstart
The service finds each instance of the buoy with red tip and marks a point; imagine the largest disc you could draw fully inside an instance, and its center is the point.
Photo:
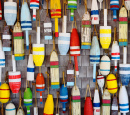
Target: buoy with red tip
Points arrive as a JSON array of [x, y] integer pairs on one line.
[[0, 11], [14, 78], [40, 85], [75, 46]]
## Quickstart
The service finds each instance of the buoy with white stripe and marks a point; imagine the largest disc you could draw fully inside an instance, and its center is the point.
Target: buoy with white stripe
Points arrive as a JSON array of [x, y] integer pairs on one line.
[[28, 99], [10, 12], [94, 55], [123, 100], [96, 103], [105, 33], [14, 78], [34, 5], [63, 95], [10, 109], [114, 106], [26, 23], [40, 85], [0, 11], [114, 6], [105, 65], [94, 12]]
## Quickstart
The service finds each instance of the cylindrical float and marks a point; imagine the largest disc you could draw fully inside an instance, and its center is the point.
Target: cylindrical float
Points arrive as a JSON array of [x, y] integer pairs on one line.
[[40, 85], [4, 93], [114, 107], [30, 68], [10, 109], [114, 6], [105, 65], [100, 81], [94, 55], [0, 11], [86, 31], [10, 12], [112, 83], [123, 100]]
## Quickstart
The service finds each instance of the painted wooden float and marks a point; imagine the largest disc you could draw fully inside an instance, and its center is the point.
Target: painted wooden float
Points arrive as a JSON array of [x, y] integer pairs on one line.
[[30, 68], [4, 93], [76, 103], [40, 85], [114, 106], [55, 8], [105, 65], [28, 99], [127, 4], [72, 5], [106, 102], [6, 38], [34, 5], [114, 6], [20, 112], [94, 12], [14, 78], [10, 109], [105, 33], [26, 23], [100, 1], [10, 12], [123, 100], [112, 83], [18, 42], [0, 11], [86, 31]]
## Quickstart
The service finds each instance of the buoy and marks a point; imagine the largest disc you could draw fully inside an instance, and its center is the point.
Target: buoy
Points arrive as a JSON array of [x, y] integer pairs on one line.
[[114, 106], [10, 109], [0, 11], [127, 4], [100, 1]]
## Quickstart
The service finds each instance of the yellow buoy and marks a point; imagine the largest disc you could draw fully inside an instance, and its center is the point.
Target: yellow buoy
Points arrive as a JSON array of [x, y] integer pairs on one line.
[[112, 83], [4, 93]]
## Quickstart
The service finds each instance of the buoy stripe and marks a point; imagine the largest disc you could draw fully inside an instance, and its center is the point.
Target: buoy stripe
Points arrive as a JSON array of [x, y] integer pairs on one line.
[[52, 63], [111, 88], [66, 96], [114, 6], [2, 59], [94, 12], [27, 104], [40, 89], [111, 79], [94, 55], [18, 34], [15, 80], [10, 109], [105, 104], [127, 109], [43, 85], [55, 83], [75, 100], [106, 101], [4, 89], [16, 76], [115, 53], [105, 31], [38, 49], [75, 97], [124, 68], [61, 100], [4, 98], [100, 77], [104, 61], [96, 104], [86, 22], [127, 104], [123, 19], [30, 69]]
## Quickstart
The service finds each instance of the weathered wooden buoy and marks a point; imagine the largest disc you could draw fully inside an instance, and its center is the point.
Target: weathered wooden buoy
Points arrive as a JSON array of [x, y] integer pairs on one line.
[[100, 1], [10, 109], [4, 93], [123, 100], [114, 6], [105, 65], [112, 83], [40, 85], [14, 78], [127, 4], [10, 12], [0, 11], [94, 12], [114, 106]]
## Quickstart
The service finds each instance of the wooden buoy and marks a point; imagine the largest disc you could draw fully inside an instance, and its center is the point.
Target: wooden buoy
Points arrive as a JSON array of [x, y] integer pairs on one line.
[[94, 12], [72, 5], [106, 103], [114, 106], [10, 12], [123, 100], [4, 93], [10, 109], [14, 78], [0, 11], [100, 1], [114, 6], [127, 4], [112, 83], [105, 65]]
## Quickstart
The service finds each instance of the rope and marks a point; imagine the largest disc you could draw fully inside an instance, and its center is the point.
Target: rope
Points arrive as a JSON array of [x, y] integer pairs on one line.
[[85, 3], [57, 103], [69, 58], [30, 45], [114, 34], [54, 41], [73, 23], [18, 11], [75, 79], [95, 32], [47, 7], [88, 89], [64, 78], [48, 81]]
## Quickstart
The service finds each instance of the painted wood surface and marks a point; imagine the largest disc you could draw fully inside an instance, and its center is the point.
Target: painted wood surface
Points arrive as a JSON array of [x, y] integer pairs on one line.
[[114, 106], [10, 109]]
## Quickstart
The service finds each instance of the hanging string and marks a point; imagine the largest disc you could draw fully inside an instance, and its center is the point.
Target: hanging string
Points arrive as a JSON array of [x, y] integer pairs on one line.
[[47, 7], [18, 11], [85, 3], [57, 103], [35, 96], [65, 7], [69, 57], [94, 30], [2, 110], [73, 23], [96, 85], [88, 89], [6, 76], [75, 79], [30, 45], [53, 41], [63, 78], [70, 105], [114, 34], [48, 81]]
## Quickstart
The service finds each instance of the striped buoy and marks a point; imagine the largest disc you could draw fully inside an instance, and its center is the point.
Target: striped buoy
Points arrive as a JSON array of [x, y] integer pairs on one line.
[[114, 106], [115, 53], [30, 68], [63, 97], [94, 55], [112, 83], [28, 99], [72, 5], [105, 33], [4, 93], [106, 103], [123, 100], [114, 6], [0, 11], [40, 85], [6, 38], [34, 5], [75, 47], [10, 12], [86, 31], [105, 65], [18, 42], [26, 23], [94, 12], [10, 109], [96, 103], [123, 27]]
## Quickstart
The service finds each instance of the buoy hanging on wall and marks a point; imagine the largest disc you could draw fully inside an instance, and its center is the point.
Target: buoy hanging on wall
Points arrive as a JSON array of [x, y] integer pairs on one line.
[[10, 109]]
